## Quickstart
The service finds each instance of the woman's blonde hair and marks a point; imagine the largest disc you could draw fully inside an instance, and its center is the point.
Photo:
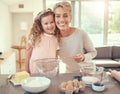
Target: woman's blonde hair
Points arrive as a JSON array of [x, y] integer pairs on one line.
[[64, 4]]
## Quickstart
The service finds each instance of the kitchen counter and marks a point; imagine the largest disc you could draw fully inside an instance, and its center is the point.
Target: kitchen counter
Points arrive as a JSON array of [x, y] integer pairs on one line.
[[112, 88]]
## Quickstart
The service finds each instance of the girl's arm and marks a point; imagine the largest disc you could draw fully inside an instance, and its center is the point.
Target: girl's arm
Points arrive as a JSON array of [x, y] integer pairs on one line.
[[57, 53], [57, 56], [29, 49]]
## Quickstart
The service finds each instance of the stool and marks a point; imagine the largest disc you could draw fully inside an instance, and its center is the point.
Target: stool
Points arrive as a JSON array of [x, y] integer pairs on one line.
[[19, 48]]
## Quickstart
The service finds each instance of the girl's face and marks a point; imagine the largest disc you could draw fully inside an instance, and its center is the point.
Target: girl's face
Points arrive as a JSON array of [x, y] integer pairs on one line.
[[48, 24], [62, 18]]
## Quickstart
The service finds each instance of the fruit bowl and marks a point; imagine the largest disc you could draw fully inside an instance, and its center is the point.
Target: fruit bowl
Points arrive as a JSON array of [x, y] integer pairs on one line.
[[48, 67]]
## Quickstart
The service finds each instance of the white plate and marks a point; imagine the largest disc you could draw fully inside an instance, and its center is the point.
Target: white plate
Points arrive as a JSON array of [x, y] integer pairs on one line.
[[89, 80], [13, 82]]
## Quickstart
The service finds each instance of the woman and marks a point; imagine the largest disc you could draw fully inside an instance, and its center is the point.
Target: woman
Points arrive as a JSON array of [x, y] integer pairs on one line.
[[76, 46]]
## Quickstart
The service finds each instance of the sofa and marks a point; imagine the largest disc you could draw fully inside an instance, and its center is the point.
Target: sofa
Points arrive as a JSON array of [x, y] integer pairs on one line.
[[108, 56]]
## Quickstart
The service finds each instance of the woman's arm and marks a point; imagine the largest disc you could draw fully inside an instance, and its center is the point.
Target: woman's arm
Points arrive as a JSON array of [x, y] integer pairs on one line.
[[88, 48], [90, 51]]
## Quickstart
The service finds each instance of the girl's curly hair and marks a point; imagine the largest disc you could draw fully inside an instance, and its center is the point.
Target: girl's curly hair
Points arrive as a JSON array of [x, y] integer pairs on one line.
[[37, 29]]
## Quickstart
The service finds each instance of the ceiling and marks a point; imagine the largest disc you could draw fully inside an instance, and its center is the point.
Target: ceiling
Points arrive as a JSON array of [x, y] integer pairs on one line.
[[11, 2]]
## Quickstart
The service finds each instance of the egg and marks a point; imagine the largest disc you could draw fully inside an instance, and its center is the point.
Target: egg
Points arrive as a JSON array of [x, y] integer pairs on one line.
[[69, 87], [75, 81], [63, 85], [70, 82], [81, 83]]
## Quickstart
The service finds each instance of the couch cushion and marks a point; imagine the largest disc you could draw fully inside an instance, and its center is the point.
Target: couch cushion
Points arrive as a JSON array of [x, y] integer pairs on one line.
[[104, 52], [117, 59], [115, 52], [106, 63]]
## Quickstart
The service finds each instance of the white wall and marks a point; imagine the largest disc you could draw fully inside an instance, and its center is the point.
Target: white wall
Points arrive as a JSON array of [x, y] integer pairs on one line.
[[28, 7], [26, 14], [34, 6], [17, 19], [5, 28], [38, 6]]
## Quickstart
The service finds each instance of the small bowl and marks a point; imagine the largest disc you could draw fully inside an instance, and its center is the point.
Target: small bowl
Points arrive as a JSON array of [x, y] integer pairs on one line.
[[35, 84], [98, 86]]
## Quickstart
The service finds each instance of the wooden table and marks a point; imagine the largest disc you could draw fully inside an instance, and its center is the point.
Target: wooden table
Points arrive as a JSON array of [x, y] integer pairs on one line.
[[19, 48], [112, 88]]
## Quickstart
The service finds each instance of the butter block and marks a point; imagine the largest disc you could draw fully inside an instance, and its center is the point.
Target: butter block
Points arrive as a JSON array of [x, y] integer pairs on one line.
[[19, 76]]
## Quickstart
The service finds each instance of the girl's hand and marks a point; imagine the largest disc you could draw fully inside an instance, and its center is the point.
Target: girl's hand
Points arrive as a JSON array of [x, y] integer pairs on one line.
[[79, 57]]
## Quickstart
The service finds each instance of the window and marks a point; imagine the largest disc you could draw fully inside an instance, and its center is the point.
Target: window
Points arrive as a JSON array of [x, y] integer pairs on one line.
[[92, 17], [114, 23], [99, 18]]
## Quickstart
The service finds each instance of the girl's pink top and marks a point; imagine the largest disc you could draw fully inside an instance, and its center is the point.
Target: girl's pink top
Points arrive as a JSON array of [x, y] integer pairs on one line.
[[46, 49]]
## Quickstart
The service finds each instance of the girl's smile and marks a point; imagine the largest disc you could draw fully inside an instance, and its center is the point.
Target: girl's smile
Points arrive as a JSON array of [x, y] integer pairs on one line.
[[48, 24]]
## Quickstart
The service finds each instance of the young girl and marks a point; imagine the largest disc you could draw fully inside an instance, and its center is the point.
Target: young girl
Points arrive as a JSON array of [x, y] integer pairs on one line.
[[42, 41]]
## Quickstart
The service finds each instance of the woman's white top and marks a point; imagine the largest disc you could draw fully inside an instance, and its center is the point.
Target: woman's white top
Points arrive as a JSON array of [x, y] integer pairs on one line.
[[77, 42]]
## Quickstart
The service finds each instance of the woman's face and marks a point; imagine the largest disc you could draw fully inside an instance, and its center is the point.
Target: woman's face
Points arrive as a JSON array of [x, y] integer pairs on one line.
[[62, 18], [48, 24]]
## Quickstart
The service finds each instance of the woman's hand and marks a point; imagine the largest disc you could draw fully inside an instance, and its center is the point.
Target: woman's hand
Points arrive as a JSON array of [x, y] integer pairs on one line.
[[79, 57]]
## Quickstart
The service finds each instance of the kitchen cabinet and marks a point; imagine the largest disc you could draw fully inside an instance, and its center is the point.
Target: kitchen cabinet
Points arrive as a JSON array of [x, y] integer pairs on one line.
[[8, 63]]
